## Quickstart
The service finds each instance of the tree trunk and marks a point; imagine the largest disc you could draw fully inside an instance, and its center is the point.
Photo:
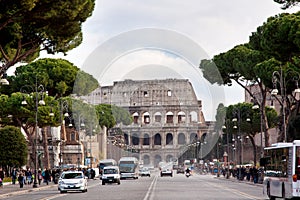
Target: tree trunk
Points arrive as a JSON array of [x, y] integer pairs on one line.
[[254, 149], [45, 146]]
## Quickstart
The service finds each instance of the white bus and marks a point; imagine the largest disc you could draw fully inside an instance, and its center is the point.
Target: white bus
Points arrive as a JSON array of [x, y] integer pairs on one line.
[[129, 167], [282, 170]]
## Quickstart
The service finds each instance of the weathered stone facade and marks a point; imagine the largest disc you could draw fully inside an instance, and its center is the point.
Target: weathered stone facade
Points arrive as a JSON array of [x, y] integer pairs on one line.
[[167, 116]]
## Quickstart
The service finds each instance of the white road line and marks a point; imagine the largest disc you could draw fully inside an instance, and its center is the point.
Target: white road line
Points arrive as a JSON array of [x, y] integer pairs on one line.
[[235, 191], [149, 195]]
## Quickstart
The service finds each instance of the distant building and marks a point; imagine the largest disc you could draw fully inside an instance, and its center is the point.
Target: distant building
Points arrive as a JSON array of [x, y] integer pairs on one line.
[[167, 116]]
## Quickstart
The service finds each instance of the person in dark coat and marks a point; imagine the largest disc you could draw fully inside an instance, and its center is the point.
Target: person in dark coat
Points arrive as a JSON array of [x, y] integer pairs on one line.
[[47, 176], [21, 179], [14, 176]]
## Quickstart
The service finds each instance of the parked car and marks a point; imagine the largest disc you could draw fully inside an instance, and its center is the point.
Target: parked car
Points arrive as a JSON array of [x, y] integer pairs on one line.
[[111, 174], [72, 181], [144, 172]]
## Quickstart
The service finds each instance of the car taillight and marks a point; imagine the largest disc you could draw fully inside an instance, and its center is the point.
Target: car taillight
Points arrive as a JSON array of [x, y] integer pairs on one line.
[[295, 177]]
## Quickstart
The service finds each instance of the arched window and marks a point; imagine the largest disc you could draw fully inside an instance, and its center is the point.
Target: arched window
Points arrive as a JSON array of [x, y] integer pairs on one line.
[[181, 138], [135, 117], [157, 117], [157, 139], [146, 118], [169, 116], [169, 139], [181, 117], [146, 160], [73, 136], [135, 139], [169, 158], [193, 116], [157, 160], [146, 140], [193, 137]]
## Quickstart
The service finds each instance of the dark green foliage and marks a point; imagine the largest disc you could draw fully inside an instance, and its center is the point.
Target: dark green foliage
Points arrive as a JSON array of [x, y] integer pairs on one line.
[[58, 77], [287, 3], [30, 26], [13, 147]]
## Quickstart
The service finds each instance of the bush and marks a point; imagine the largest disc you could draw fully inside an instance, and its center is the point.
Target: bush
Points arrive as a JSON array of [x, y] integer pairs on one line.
[[6, 179]]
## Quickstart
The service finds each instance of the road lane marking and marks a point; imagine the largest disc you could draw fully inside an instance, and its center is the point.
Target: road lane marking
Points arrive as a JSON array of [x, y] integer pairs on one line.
[[235, 192], [149, 195]]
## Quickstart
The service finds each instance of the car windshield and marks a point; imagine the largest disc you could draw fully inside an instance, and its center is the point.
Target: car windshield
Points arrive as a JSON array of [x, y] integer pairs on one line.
[[71, 175]]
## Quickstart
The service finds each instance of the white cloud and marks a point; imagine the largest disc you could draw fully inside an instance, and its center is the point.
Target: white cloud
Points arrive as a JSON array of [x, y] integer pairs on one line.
[[216, 26]]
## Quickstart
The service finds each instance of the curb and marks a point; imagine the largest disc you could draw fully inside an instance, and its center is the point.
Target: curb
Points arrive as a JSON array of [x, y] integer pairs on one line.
[[24, 191]]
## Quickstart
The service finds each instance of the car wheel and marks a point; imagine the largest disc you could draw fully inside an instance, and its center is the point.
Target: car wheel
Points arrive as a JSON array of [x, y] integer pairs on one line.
[[63, 192], [103, 183], [119, 182]]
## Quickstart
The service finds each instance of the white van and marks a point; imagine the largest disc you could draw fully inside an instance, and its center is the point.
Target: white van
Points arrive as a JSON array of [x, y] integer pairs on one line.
[[111, 174]]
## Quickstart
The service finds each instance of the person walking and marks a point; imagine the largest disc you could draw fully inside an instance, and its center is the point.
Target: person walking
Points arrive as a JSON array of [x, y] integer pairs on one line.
[[21, 179], [47, 176], [40, 177], [14, 176]]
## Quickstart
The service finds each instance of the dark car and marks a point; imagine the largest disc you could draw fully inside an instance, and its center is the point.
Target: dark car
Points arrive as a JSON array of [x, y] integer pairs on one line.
[[180, 170]]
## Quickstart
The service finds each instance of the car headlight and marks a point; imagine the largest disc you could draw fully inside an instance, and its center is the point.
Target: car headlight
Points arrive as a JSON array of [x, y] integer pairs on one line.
[[81, 181], [104, 177]]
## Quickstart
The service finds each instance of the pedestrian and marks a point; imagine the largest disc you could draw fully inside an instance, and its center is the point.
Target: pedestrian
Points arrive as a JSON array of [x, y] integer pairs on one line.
[[40, 177], [47, 176], [1, 177], [14, 176], [21, 179], [255, 174]]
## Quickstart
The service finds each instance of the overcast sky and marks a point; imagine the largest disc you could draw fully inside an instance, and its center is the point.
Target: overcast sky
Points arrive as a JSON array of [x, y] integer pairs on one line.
[[213, 25]]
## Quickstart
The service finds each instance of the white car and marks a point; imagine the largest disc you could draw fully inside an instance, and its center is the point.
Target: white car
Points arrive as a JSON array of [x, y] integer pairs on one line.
[[72, 181], [166, 171], [111, 174], [144, 172]]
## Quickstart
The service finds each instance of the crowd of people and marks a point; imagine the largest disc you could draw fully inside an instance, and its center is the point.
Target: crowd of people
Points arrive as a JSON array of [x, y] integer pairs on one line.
[[248, 173], [27, 176]]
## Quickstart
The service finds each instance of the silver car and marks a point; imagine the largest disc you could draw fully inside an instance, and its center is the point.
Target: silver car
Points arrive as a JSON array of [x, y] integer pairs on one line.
[[72, 181]]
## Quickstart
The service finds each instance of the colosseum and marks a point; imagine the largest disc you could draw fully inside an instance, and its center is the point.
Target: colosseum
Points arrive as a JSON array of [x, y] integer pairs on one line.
[[167, 116]]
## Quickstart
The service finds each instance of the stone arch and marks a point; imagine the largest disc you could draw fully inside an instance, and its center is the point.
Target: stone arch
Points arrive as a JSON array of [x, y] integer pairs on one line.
[[146, 159], [193, 136], [135, 139], [157, 160], [169, 139], [181, 138], [157, 139], [169, 158], [169, 117], [146, 117], [193, 116], [181, 117], [146, 139]]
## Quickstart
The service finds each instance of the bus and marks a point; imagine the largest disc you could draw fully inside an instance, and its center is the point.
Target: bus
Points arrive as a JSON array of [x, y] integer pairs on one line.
[[281, 164], [129, 167], [106, 162]]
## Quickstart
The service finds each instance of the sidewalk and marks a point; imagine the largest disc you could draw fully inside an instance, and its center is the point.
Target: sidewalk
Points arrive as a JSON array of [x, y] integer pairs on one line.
[[234, 179], [9, 189]]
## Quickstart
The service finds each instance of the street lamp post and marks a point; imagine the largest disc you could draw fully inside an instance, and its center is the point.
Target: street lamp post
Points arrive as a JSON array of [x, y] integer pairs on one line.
[[80, 124], [63, 113], [38, 89], [278, 77]]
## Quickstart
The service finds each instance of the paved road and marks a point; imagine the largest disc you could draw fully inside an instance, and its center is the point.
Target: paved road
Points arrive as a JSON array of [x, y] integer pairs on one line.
[[145, 188]]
